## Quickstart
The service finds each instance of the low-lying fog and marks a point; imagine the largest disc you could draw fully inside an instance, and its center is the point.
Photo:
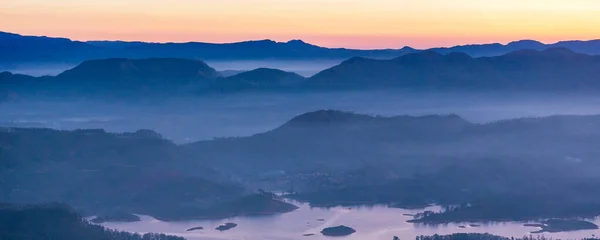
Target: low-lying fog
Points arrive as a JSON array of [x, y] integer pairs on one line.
[[192, 119], [37, 69], [301, 67]]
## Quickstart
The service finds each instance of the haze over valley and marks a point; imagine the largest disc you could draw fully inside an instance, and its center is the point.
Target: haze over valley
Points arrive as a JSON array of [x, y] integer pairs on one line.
[[260, 139]]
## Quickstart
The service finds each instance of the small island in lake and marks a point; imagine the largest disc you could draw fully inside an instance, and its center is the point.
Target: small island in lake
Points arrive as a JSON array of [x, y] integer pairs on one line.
[[194, 229], [533, 225], [226, 226], [338, 231], [116, 217], [564, 225]]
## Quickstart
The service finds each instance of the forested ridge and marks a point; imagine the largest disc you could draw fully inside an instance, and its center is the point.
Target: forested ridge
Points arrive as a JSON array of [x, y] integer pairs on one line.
[[531, 167]]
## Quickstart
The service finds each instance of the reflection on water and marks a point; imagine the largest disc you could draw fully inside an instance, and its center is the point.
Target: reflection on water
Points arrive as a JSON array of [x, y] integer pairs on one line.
[[376, 223]]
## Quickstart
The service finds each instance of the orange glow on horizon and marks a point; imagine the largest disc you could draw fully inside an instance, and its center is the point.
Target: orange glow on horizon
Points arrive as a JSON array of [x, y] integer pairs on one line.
[[332, 23]]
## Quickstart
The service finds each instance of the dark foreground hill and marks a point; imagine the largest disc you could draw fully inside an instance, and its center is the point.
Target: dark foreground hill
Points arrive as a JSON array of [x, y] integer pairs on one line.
[[338, 158], [528, 168], [102, 173], [57, 221]]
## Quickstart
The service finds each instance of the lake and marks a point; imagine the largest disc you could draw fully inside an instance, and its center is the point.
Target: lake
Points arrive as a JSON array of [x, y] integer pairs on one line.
[[370, 223]]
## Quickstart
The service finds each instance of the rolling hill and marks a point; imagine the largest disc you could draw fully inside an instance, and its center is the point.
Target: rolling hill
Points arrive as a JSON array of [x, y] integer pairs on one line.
[[555, 69], [551, 69], [546, 166]]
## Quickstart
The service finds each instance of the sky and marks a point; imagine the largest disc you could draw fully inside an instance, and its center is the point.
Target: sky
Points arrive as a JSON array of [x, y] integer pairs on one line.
[[362, 24]]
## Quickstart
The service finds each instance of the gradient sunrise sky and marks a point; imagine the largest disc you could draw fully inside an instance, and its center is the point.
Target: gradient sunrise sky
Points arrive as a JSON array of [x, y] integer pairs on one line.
[[333, 23]]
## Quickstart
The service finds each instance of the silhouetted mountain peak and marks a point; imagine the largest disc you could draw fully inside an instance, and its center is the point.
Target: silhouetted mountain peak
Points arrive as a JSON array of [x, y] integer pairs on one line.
[[145, 134], [300, 44], [497, 49], [355, 60], [297, 42], [9, 77], [5, 74], [7, 35], [554, 68], [328, 117], [263, 41], [252, 43], [107, 69], [265, 74], [265, 70], [259, 79], [532, 44], [353, 121]]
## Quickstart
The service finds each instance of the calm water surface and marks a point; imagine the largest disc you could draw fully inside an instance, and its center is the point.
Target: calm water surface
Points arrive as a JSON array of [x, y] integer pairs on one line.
[[376, 223]]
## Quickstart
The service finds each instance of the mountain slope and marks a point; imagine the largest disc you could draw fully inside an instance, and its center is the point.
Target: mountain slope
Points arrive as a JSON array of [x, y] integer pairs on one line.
[[57, 221], [328, 157], [338, 158], [147, 69], [116, 78], [98, 172], [340, 140], [16, 48], [556, 69], [552, 69], [591, 47], [258, 79]]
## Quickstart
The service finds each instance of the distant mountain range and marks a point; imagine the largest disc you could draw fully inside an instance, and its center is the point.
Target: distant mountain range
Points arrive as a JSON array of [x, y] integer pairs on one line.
[[551, 69], [591, 47], [120, 77], [18, 49]]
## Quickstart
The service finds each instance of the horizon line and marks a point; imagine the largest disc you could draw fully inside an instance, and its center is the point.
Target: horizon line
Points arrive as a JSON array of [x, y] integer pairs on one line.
[[300, 40]]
